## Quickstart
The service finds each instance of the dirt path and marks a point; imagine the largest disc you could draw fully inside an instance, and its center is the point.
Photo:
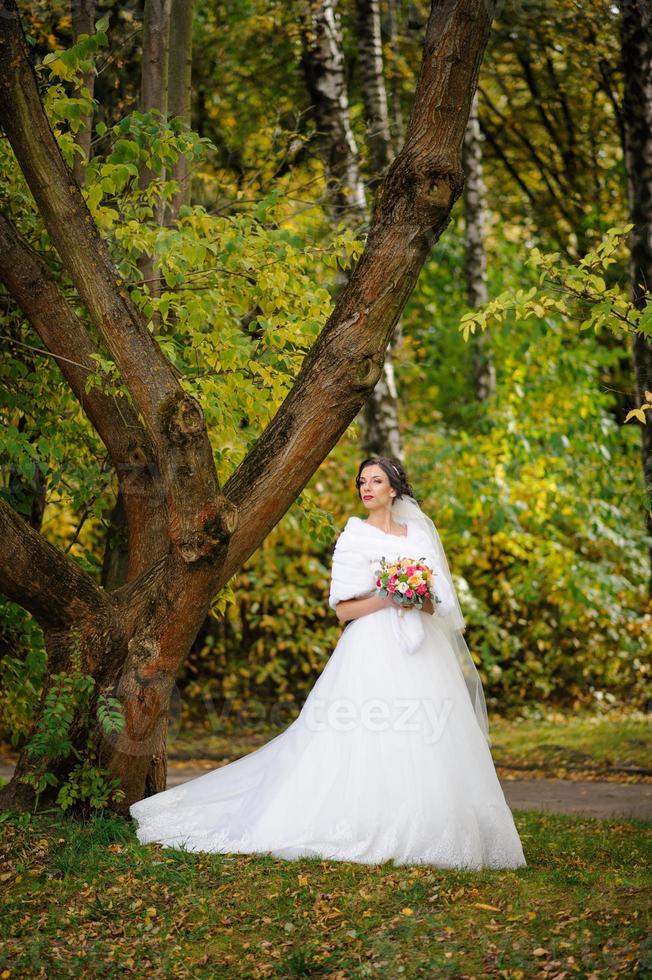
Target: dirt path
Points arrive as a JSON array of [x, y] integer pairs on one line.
[[605, 800]]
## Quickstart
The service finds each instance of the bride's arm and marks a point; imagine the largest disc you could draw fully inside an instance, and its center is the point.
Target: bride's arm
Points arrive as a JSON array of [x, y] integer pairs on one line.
[[348, 609]]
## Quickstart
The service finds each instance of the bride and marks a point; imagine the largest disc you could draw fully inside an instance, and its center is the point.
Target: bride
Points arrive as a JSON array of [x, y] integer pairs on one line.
[[389, 757]]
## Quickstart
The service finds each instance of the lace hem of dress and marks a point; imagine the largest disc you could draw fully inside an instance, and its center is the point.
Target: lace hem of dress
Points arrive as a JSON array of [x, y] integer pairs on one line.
[[492, 842]]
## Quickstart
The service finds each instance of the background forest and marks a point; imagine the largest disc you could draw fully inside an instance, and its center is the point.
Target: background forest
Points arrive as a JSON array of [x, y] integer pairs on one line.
[[235, 234]]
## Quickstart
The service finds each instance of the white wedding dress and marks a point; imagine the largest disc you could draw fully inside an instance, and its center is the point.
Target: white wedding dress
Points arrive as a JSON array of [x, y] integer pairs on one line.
[[386, 759]]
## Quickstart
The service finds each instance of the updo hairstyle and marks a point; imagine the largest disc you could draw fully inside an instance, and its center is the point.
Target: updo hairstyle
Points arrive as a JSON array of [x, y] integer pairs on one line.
[[393, 470]]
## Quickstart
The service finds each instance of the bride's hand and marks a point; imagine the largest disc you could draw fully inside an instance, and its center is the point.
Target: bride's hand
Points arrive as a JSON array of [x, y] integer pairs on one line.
[[427, 607]]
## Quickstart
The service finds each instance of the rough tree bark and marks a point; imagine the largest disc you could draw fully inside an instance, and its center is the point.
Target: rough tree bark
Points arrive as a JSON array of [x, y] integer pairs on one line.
[[484, 372], [134, 639], [83, 22], [324, 70], [636, 39]]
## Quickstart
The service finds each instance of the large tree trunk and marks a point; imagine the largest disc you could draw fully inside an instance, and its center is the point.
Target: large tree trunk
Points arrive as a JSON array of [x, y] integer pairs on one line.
[[83, 22], [187, 536], [324, 71], [484, 372], [637, 116], [180, 89]]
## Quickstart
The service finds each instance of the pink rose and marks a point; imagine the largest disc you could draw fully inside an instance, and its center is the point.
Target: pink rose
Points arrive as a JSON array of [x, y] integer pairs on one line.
[[422, 589], [378, 582], [411, 570], [391, 587], [409, 593]]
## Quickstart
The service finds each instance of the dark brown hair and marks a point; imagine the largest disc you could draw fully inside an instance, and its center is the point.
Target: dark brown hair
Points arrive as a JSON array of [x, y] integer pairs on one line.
[[393, 470]]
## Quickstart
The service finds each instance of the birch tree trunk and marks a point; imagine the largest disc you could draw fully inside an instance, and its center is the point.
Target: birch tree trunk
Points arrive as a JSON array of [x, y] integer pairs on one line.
[[187, 535], [83, 22], [636, 40], [484, 372], [324, 70], [396, 112]]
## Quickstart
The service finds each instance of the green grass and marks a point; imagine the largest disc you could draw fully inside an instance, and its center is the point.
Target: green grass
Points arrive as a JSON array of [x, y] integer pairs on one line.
[[556, 740], [85, 899]]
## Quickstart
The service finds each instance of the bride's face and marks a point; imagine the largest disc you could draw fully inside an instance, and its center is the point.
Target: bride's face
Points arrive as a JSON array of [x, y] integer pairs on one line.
[[375, 490]]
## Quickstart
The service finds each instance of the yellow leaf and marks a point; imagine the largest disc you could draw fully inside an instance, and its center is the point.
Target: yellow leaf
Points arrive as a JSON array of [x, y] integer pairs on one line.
[[488, 908], [648, 395], [637, 413], [407, 911], [303, 880]]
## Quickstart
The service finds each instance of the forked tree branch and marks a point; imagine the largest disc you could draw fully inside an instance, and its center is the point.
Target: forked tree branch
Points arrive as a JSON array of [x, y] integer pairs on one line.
[[198, 519], [47, 583], [28, 279]]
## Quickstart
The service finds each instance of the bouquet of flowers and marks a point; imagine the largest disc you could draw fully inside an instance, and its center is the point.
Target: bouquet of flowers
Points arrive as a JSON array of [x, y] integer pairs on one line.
[[407, 581]]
